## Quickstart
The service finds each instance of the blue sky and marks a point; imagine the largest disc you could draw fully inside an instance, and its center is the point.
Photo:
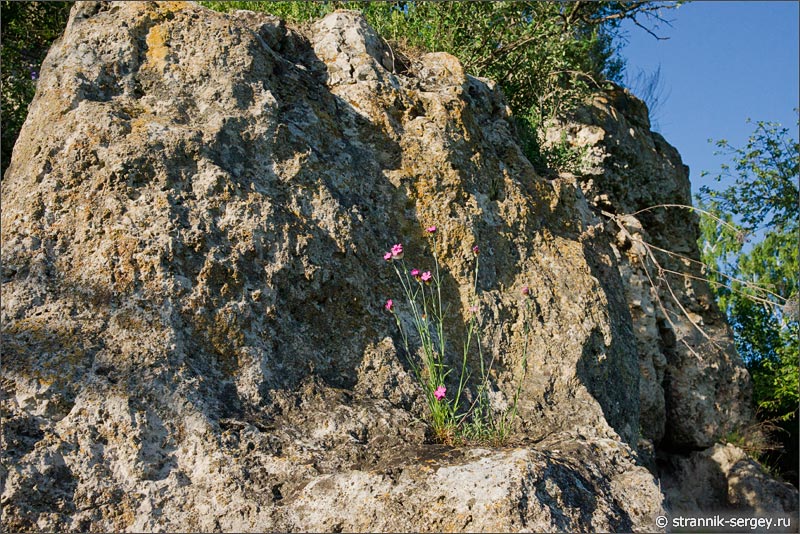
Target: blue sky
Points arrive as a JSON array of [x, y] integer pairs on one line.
[[724, 62]]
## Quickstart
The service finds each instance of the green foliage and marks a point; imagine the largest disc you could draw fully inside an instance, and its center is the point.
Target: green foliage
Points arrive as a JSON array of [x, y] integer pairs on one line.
[[28, 29], [561, 156], [546, 56], [756, 283], [765, 172], [291, 11]]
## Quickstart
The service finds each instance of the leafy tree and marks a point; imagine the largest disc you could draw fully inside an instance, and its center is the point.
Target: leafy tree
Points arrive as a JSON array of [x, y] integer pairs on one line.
[[756, 283], [28, 29]]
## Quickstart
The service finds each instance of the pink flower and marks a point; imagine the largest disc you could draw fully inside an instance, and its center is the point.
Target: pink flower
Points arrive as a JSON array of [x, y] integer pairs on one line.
[[397, 252], [439, 393], [476, 250], [387, 256], [426, 277], [526, 290], [473, 309], [389, 305], [415, 273], [430, 229]]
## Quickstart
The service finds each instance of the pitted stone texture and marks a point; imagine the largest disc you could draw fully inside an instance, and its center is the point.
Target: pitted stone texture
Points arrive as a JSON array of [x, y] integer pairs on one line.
[[462, 491], [194, 337], [694, 387], [723, 478]]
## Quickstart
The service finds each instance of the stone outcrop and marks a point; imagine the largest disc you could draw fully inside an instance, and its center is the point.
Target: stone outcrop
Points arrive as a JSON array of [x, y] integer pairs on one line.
[[694, 388], [194, 338], [724, 478]]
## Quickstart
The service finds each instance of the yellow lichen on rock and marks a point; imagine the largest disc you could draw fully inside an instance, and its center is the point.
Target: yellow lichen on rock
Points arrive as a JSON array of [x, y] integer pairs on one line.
[[157, 47]]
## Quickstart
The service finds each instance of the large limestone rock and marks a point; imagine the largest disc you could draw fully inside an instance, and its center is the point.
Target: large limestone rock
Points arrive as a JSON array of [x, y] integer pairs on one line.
[[694, 389], [724, 478], [194, 337], [693, 385]]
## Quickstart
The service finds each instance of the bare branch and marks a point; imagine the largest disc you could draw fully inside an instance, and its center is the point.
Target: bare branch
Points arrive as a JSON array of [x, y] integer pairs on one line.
[[649, 251], [577, 74], [648, 30], [686, 206], [745, 283], [715, 271], [730, 288], [663, 308]]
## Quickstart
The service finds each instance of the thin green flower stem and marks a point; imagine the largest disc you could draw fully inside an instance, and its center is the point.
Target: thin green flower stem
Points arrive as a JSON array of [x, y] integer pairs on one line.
[[402, 332], [433, 363], [415, 368], [411, 296], [406, 289], [441, 411], [411, 362], [482, 395], [464, 376], [484, 372], [525, 330], [470, 331], [438, 281], [437, 322], [434, 366], [462, 380]]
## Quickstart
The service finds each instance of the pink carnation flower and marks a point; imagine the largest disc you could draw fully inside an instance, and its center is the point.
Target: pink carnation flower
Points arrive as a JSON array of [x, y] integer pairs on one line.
[[526, 291], [426, 277], [387, 256], [476, 250], [440, 392], [415, 273], [397, 252], [389, 305], [430, 229]]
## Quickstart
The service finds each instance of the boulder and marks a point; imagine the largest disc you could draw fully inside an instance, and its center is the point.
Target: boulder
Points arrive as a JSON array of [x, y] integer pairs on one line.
[[194, 334], [693, 384], [723, 478]]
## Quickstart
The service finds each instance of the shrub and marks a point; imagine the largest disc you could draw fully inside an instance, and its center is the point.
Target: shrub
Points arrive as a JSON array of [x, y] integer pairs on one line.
[[28, 30], [754, 271]]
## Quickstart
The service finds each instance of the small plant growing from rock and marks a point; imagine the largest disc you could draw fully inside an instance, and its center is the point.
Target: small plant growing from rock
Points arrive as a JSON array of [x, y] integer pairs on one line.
[[452, 417]]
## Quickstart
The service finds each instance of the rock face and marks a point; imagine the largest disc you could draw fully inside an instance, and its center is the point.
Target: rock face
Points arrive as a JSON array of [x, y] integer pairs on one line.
[[722, 477], [194, 337], [694, 388]]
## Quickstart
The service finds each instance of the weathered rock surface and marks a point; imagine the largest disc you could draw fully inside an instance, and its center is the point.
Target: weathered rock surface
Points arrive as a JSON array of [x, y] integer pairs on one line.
[[193, 226], [694, 387], [724, 478]]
